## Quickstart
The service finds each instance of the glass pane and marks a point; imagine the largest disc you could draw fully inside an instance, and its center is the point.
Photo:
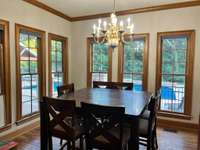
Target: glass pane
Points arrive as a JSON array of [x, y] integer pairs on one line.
[[137, 82], [35, 106], [33, 66], [35, 87], [23, 40], [127, 77], [33, 53], [59, 66], [100, 58], [179, 90], [167, 93], [167, 68], [53, 66], [133, 56], [57, 80], [59, 56], [26, 94], [58, 46], [180, 68], [53, 56], [24, 67], [32, 41], [53, 45], [180, 56], [26, 108], [167, 56]]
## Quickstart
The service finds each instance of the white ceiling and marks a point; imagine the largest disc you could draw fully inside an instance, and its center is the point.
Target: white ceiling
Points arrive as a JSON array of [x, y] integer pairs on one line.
[[74, 8]]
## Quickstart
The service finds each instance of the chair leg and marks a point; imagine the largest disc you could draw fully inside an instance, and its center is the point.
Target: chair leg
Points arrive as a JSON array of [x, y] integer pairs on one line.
[[73, 145], [156, 140]]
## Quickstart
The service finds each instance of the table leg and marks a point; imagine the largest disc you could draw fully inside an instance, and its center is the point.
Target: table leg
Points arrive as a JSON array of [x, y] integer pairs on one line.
[[134, 139]]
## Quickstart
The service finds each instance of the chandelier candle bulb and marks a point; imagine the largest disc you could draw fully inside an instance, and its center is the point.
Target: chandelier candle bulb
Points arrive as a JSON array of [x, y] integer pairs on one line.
[[104, 25], [129, 21], [94, 29], [121, 25], [99, 22]]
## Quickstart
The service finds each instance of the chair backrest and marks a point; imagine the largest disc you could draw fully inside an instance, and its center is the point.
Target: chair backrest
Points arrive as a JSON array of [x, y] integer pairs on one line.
[[113, 85], [56, 111], [99, 119], [65, 89]]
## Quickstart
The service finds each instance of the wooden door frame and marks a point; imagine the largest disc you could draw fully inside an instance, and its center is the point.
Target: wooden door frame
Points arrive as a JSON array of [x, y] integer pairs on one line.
[[65, 62], [90, 41], [144, 36], [41, 70], [7, 76]]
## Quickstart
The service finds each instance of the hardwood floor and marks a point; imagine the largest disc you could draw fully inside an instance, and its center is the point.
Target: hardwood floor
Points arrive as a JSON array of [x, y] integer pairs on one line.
[[166, 140]]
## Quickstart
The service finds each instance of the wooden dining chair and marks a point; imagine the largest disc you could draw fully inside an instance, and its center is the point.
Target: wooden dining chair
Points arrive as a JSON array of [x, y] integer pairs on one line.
[[113, 85], [65, 89], [104, 127], [62, 122], [147, 125]]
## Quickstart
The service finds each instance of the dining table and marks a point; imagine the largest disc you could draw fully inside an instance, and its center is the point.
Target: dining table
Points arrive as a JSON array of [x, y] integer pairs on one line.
[[134, 102]]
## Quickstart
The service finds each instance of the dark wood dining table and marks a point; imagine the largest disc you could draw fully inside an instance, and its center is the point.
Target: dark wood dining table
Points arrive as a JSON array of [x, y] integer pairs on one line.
[[134, 103]]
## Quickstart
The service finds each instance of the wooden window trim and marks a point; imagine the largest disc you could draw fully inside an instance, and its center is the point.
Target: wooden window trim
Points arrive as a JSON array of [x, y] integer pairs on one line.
[[64, 41], [189, 75], [41, 69], [90, 41], [7, 75], [144, 36]]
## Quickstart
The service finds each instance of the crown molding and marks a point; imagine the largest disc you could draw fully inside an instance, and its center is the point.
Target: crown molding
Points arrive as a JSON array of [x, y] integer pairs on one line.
[[140, 10], [119, 13], [49, 9]]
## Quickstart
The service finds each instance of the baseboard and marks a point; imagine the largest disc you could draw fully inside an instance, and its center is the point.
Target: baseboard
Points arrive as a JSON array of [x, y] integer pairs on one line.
[[177, 125], [21, 131]]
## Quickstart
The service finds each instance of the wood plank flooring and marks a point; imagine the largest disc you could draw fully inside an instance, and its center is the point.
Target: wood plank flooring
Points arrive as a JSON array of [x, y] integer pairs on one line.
[[166, 140]]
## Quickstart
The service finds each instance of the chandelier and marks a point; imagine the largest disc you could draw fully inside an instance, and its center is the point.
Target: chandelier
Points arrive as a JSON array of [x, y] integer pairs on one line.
[[112, 33]]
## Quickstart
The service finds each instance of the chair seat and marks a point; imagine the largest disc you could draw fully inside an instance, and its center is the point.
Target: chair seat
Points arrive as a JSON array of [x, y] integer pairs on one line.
[[76, 131], [101, 141]]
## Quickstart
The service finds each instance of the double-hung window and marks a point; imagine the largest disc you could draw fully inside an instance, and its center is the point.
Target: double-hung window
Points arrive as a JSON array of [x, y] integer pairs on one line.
[[30, 67], [133, 62], [175, 71], [58, 62], [99, 62]]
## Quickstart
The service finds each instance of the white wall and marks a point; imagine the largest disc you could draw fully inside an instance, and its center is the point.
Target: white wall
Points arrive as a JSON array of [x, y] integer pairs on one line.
[[151, 22], [17, 11]]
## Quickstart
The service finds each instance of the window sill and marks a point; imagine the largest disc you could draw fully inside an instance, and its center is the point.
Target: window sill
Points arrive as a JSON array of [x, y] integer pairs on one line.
[[27, 118], [4, 128], [174, 115]]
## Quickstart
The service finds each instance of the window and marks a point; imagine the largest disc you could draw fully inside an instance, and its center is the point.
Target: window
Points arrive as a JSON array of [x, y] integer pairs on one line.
[[99, 62], [58, 64], [30, 82], [133, 62], [175, 71], [5, 100]]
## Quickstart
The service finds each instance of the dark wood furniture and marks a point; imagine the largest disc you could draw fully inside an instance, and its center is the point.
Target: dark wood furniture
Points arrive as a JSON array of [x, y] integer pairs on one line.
[[58, 119], [147, 126], [104, 126], [65, 89], [134, 103], [113, 85]]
